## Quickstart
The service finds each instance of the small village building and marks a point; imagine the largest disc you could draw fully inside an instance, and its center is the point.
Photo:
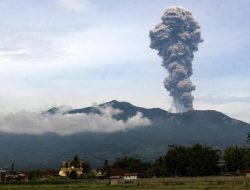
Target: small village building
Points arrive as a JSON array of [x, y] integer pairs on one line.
[[245, 172], [17, 177], [115, 180], [130, 176], [98, 172], [22, 177], [49, 173], [2, 175]]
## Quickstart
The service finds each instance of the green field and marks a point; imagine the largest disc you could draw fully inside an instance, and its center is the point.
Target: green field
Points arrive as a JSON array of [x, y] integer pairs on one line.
[[205, 183]]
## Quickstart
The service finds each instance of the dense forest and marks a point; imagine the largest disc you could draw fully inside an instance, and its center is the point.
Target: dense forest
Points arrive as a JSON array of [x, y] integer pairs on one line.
[[195, 160]]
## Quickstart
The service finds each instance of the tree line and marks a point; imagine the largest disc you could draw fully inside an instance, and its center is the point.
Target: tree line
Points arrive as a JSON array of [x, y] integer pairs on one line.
[[196, 160]]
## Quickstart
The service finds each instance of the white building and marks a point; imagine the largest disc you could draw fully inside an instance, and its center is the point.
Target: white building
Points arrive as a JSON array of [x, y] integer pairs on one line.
[[64, 172], [130, 176], [71, 165]]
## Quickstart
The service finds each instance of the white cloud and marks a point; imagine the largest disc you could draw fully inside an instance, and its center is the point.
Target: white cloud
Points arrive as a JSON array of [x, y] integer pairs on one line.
[[75, 5], [29, 57], [102, 45], [25, 122], [94, 47], [15, 52]]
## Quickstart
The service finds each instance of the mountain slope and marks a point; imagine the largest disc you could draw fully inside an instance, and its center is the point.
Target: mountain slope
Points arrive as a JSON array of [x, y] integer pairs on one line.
[[44, 151]]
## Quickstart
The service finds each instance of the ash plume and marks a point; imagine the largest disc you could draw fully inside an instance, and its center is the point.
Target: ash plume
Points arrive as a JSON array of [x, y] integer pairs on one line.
[[176, 38]]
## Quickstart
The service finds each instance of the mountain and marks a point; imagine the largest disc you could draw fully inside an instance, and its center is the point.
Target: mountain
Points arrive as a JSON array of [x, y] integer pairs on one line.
[[149, 142]]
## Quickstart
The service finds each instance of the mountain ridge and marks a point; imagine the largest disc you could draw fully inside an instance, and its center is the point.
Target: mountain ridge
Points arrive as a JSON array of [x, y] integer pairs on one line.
[[208, 127]]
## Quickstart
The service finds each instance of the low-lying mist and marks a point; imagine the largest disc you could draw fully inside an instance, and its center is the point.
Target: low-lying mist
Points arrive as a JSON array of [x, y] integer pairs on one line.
[[62, 123]]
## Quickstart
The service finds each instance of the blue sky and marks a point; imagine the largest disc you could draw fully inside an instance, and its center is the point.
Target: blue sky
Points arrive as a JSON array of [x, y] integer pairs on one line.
[[80, 52]]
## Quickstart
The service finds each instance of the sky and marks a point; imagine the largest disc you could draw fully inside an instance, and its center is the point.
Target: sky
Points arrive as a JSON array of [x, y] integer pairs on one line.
[[80, 52]]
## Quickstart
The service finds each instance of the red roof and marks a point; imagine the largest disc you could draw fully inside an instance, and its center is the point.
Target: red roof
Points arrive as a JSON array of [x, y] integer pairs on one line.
[[115, 177], [246, 170], [130, 174]]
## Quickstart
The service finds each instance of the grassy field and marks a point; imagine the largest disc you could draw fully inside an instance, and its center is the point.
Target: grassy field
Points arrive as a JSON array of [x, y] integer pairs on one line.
[[209, 183]]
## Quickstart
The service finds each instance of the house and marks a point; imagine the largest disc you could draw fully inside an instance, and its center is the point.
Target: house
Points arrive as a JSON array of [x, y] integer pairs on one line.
[[245, 172], [18, 177], [130, 176], [2, 175], [98, 172], [49, 173], [114, 180]]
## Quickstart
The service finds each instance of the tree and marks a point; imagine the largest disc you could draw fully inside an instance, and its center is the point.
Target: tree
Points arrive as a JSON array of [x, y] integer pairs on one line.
[[176, 160], [248, 137], [72, 174], [86, 167], [12, 170], [106, 169], [75, 162], [130, 165], [236, 158], [203, 160], [197, 160], [159, 167]]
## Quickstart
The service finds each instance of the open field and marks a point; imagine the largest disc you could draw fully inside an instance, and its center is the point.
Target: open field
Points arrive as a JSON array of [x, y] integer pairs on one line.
[[199, 183]]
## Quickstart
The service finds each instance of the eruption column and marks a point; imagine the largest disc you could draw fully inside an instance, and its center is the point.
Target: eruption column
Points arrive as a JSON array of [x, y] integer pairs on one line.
[[176, 38]]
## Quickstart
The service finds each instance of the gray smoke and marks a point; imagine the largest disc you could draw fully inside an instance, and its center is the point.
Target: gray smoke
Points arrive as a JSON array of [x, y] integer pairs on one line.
[[176, 38]]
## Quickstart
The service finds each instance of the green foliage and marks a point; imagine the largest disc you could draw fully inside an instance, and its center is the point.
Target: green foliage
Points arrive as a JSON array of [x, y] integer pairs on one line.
[[86, 167], [248, 137], [72, 174], [129, 164], [208, 183], [90, 174], [32, 175], [197, 160], [159, 167], [106, 169], [236, 158], [75, 162]]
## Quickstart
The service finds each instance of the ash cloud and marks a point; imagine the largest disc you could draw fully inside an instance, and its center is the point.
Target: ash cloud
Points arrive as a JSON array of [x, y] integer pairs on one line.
[[176, 38], [66, 124]]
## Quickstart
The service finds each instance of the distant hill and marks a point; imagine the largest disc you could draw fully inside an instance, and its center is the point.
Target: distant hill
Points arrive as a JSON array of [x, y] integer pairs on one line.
[[47, 151]]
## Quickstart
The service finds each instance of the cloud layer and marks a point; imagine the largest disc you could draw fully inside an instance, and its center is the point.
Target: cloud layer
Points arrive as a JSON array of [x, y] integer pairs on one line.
[[74, 5], [25, 122], [50, 49]]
